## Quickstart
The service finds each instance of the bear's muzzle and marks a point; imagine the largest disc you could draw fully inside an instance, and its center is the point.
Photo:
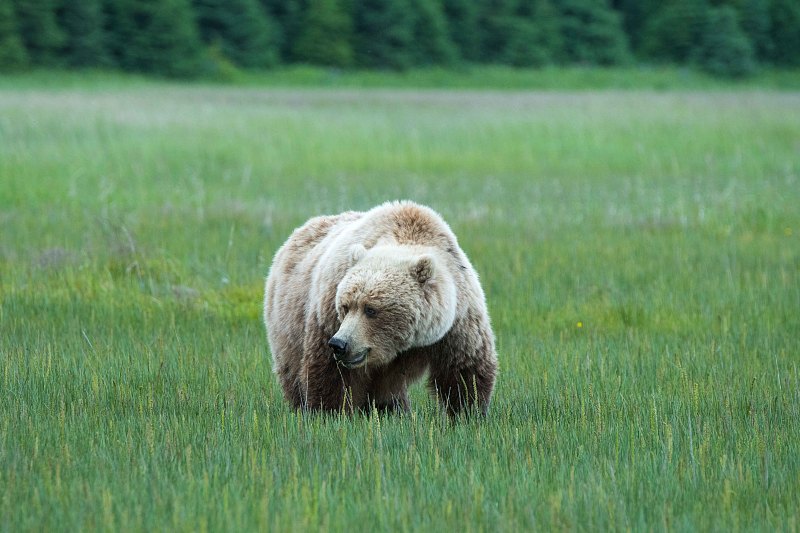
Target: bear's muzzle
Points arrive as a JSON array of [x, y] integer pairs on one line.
[[342, 353]]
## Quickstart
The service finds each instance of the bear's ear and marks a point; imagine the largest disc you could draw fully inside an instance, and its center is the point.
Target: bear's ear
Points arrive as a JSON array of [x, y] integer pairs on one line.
[[357, 253], [422, 269]]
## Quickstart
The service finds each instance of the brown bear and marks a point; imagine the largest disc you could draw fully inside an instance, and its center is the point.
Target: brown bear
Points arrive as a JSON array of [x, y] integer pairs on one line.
[[361, 304]]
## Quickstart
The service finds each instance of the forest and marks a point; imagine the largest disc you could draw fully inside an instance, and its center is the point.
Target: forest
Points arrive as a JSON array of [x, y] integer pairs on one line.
[[195, 38]]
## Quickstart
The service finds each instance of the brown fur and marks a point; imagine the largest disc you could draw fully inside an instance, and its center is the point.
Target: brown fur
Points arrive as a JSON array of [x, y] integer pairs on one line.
[[428, 313]]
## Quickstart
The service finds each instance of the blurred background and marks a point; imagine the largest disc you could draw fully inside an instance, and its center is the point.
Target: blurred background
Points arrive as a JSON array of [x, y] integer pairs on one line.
[[217, 38]]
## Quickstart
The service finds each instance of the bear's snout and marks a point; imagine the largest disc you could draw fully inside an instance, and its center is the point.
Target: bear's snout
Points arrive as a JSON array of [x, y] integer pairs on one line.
[[339, 347], [344, 355]]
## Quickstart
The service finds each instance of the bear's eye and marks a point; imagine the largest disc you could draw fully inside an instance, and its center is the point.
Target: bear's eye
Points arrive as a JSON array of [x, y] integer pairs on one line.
[[370, 312], [345, 309]]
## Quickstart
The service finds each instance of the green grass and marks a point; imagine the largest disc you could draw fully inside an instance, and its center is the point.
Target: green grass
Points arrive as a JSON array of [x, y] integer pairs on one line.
[[640, 252], [650, 77]]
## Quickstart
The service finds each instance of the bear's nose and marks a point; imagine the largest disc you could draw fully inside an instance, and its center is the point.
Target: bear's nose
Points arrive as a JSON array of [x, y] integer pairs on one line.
[[338, 345]]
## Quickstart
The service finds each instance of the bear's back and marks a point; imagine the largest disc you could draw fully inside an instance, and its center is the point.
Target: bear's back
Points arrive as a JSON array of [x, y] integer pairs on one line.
[[308, 236]]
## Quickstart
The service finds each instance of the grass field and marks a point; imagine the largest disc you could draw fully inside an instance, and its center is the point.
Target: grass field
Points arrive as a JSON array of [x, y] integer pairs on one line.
[[640, 252]]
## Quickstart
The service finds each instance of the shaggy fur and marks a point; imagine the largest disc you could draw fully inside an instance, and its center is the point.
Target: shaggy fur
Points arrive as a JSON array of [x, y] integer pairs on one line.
[[360, 305]]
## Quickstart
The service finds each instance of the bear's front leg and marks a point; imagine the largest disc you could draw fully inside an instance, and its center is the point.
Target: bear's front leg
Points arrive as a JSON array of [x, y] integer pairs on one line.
[[464, 366], [397, 403], [328, 386], [463, 388], [388, 389]]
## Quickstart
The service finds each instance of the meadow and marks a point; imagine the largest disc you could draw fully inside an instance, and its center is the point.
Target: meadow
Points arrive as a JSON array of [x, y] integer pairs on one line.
[[640, 252]]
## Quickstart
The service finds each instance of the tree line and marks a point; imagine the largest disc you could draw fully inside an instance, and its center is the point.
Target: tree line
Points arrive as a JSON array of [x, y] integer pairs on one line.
[[205, 37]]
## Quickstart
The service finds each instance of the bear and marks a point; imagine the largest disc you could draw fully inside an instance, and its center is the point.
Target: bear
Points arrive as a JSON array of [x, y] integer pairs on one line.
[[359, 305]]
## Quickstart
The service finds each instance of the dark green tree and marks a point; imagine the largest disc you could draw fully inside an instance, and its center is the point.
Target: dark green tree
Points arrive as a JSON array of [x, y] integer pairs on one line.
[[241, 29], [635, 14], [84, 25], [431, 44], [532, 33], [383, 32], [13, 55], [548, 24], [675, 30], [523, 47], [289, 16], [156, 36], [326, 35], [725, 49], [521, 33], [593, 33], [39, 31], [785, 22], [462, 23], [755, 22], [496, 23]]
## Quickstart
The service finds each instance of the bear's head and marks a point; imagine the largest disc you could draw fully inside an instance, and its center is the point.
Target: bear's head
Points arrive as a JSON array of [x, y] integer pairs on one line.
[[392, 299]]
